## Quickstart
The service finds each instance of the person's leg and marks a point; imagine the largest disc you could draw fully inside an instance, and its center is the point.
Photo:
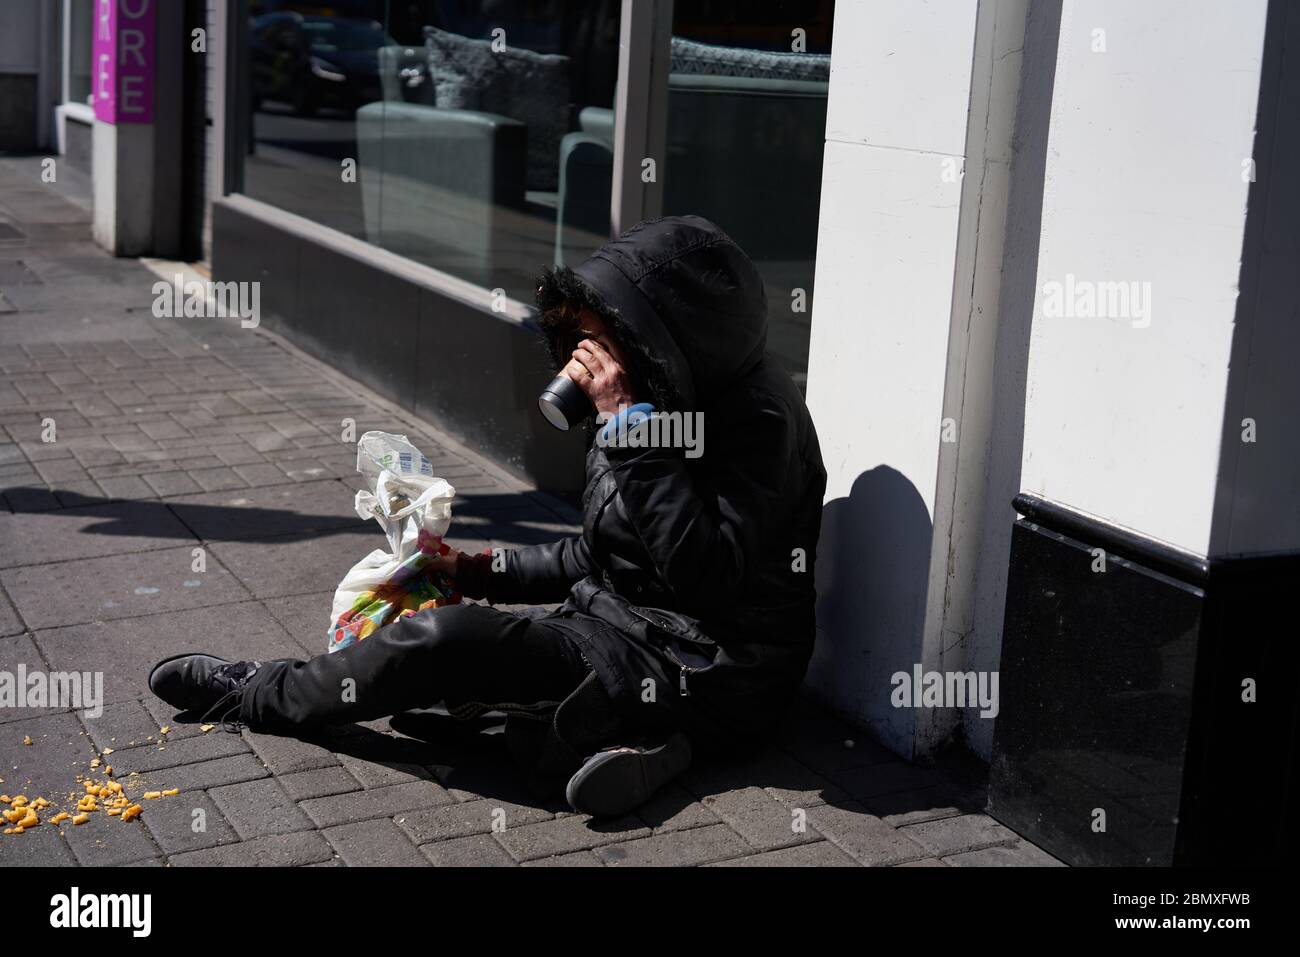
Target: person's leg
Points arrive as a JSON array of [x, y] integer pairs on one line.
[[465, 652]]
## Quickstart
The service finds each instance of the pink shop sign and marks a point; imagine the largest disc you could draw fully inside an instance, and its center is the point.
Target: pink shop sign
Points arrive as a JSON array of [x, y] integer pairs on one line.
[[123, 67]]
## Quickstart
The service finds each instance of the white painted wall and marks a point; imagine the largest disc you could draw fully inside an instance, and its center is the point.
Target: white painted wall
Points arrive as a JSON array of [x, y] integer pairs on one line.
[[1143, 184], [899, 96]]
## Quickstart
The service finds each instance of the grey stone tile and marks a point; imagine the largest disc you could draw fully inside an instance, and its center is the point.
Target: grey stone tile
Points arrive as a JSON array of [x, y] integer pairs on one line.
[[1019, 854], [185, 822], [383, 802], [698, 845], [169, 754], [298, 564], [819, 854], [105, 841], [480, 850], [195, 777], [954, 835], [322, 782], [276, 850], [760, 819], [260, 512], [118, 586], [257, 808], [378, 843], [126, 650], [88, 532], [575, 859], [285, 755], [862, 835], [39, 847], [471, 817], [671, 808], [566, 834]]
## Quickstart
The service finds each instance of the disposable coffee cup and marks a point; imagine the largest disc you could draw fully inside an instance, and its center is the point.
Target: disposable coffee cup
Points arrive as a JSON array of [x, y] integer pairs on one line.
[[563, 403]]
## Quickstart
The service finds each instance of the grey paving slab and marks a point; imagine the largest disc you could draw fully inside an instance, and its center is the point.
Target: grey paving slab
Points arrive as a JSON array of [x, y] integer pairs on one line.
[[480, 850], [698, 845], [760, 819], [19, 651], [125, 650], [197, 777], [321, 782], [954, 835], [471, 817], [87, 532], [297, 565], [548, 838], [166, 753], [117, 586], [123, 724], [672, 808], [48, 767], [305, 617], [575, 859], [39, 847], [378, 843], [1019, 854], [105, 841], [382, 802], [285, 755], [249, 514], [819, 854], [862, 835], [276, 850], [10, 624], [258, 808], [188, 821]]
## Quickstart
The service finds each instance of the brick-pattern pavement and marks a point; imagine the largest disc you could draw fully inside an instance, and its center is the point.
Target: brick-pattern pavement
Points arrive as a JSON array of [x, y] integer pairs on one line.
[[174, 436]]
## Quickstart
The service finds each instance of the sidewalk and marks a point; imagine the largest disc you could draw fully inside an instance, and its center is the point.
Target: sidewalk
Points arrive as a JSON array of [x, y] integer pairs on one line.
[[181, 440]]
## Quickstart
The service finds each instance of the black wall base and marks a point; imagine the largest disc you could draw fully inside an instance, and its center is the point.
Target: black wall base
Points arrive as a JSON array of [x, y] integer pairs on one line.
[[1123, 737]]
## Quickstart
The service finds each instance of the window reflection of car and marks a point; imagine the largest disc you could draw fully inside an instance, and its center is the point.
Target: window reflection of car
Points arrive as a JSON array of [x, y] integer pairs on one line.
[[314, 62]]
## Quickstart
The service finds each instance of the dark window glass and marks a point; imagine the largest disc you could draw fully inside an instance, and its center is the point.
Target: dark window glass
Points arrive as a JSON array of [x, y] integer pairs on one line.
[[466, 122]]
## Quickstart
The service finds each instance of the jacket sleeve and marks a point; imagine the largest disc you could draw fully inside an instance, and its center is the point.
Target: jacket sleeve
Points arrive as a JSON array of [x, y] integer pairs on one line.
[[703, 534], [533, 575]]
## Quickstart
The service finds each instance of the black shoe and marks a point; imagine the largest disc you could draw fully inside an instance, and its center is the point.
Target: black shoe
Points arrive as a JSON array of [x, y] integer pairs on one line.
[[618, 780], [212, 688]]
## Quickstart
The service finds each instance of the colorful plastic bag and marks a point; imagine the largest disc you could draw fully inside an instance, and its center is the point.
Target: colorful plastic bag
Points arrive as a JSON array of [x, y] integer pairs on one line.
[[414, 510]]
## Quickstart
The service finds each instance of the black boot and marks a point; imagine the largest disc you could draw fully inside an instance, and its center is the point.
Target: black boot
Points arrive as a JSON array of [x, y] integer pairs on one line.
[[615, 781], [212, 688]]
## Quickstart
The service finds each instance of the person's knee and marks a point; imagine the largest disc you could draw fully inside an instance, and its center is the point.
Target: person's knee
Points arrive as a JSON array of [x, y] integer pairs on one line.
[[440, 633]]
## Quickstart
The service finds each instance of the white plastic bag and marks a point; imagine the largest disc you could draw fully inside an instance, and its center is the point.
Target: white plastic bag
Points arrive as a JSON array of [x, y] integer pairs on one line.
[[413, 507]]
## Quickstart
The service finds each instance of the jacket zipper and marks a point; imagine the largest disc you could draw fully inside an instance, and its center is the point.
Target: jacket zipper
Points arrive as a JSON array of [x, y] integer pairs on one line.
[[684, 670]]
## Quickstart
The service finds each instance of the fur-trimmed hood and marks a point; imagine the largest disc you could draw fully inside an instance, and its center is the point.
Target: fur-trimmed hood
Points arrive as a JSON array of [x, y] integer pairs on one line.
[[684, 301]]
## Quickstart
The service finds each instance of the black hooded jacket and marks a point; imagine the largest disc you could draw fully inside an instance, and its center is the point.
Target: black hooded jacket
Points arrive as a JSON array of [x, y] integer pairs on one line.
[[690, 589]]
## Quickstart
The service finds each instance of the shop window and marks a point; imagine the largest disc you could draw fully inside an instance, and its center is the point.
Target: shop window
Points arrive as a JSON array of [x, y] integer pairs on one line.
[[483, 133], [456, 116], [79, 37]]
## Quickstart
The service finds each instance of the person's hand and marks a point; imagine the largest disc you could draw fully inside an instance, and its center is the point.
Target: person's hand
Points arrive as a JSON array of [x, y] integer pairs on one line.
[[445, 563], [599, 373]]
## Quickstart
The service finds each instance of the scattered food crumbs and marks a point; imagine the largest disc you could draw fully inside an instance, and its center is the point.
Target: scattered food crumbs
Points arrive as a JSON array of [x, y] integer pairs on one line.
[[20, 800], [165, 729], [81, 818], [109, 770], [60, 817], [94, 763], [171, 792], [133, 811], [5, 799], [114, 811], [150, 795], [27, 739], [30, 820], [107, 752], [205, 728]]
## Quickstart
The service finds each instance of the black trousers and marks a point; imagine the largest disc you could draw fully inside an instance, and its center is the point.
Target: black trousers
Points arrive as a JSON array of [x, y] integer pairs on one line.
[[460, 655]]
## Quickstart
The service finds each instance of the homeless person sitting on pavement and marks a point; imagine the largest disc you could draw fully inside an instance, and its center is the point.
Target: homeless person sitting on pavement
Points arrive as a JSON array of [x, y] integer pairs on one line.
[[688, 601]]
